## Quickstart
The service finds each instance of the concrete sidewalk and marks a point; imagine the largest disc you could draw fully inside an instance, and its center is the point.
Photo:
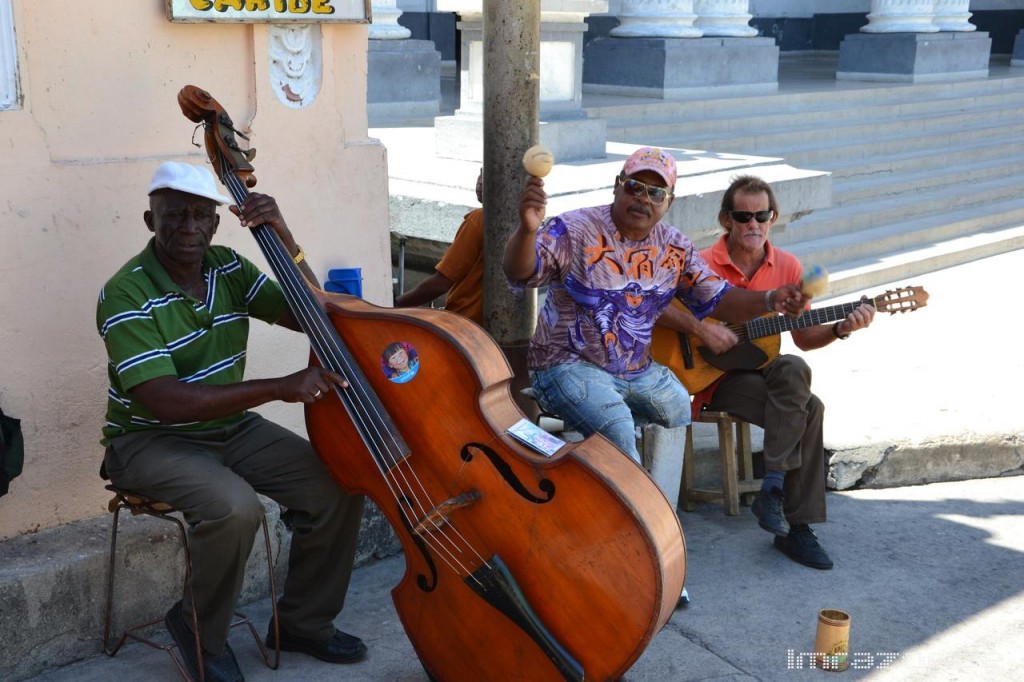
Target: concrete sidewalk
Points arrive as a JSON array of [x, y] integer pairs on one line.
[[930, 575]]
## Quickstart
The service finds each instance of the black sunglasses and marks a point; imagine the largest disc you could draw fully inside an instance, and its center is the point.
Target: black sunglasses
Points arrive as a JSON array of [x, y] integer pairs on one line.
[[656, 194], [745, 216]]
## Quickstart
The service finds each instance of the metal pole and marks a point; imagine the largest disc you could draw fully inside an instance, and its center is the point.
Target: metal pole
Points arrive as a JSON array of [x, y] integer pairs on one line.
[[510, 126]]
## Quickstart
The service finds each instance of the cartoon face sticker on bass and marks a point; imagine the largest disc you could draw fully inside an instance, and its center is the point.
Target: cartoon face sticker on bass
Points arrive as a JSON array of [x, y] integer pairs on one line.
[[400, 362]]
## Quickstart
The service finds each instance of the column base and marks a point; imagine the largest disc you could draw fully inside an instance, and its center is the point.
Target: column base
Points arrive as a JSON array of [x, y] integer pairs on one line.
[[403, 80], [914, 57], [570, 139], [1018, 50], [676, 68]]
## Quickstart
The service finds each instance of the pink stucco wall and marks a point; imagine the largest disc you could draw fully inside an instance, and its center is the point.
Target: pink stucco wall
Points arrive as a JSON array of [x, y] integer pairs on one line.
[[99, 81]]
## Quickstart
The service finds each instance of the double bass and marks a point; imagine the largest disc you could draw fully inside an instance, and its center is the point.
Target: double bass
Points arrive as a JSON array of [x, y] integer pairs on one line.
[[519, 565]]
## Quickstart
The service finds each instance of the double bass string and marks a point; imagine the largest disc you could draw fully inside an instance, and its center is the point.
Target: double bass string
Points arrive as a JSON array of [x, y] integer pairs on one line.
[[372, 425]]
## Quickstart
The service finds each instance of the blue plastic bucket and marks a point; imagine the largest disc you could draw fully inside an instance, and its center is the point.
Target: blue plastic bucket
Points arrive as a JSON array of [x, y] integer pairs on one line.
[[345, 281]]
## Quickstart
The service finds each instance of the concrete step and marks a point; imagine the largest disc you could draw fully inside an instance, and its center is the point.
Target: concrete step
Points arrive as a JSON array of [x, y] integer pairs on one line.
[[934, 208], [941, 172], [812, 147], [831, 95], [931, 157], [876, 146], [921, 114], [860, 277], [849, 274]]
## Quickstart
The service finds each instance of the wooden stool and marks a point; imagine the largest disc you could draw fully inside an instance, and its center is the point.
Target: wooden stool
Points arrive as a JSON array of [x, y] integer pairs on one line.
[[737, 466], [139, 504]]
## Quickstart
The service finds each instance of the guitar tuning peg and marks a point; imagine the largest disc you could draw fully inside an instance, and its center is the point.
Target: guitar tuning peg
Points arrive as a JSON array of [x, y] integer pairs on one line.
[[249, 154]]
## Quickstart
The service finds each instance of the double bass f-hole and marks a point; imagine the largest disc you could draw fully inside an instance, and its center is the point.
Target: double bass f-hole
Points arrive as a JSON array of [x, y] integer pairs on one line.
[[546, 486]]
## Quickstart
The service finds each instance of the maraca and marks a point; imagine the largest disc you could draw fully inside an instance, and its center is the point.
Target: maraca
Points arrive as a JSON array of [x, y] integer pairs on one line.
[[538, 161], [814, 281]]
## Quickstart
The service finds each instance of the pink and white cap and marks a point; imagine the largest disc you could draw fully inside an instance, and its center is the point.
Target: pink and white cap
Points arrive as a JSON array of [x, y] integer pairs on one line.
[[652, 159]]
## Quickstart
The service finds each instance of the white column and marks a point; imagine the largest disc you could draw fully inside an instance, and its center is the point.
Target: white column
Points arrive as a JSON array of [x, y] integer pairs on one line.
[[385, 24], [952, 15], [656, 19], [724, 18], [901, 16]]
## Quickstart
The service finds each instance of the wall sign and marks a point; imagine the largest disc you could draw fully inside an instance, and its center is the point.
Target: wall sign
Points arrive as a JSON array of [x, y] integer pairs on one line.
[[268, 11]]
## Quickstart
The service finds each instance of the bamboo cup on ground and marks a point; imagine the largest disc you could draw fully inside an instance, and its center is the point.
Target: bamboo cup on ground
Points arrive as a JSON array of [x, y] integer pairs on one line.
[[832, 642]]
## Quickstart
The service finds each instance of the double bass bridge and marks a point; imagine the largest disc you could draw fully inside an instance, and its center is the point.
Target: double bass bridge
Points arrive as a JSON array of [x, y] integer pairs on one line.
[[440, 516]]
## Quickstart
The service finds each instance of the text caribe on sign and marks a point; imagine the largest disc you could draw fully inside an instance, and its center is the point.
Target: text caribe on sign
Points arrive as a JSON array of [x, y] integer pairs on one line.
[[283, 6], [268, 11]]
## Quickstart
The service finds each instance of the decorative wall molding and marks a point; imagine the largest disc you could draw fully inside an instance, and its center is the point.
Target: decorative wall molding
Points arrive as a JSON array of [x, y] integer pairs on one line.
[[296, 63]]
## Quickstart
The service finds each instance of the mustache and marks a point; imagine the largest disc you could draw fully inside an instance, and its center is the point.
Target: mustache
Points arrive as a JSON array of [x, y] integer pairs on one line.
[[641, 207]]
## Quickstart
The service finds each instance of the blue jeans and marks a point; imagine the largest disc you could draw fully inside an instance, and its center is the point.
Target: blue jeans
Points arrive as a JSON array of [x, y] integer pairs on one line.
[[590, 400]]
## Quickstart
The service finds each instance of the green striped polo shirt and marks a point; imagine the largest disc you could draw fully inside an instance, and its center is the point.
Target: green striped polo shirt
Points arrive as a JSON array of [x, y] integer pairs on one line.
[[152, 328]]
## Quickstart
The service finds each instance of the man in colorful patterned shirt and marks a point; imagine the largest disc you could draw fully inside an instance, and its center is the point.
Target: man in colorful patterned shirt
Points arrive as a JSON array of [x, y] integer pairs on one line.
[[175, 322], [611, 271]]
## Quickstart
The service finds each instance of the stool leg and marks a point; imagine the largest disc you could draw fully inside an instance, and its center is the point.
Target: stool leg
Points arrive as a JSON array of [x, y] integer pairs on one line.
[[746, 462], [745, 457], [192, 599], [730, 492], [273, 606], [689, 472], [107, 649]]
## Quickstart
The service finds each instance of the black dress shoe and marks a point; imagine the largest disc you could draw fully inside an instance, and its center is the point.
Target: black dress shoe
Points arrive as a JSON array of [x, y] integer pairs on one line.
[[767, 508], [802, 546], [216, 667], [340, 648]]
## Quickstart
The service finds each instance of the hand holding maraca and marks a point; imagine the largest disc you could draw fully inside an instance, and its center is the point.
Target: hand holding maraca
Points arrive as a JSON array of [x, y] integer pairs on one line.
[[814, 281], [538, 161]]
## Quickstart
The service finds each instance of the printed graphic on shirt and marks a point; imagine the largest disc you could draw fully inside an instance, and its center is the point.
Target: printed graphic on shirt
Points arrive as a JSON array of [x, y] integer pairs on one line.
[[605, 292]]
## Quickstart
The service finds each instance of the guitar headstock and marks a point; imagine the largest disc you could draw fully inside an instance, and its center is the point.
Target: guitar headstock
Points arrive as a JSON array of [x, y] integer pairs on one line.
[[901, 300], [222, 148]]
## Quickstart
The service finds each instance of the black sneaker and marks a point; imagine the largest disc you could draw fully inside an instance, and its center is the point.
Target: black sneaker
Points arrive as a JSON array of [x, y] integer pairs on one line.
[[340, 648], [767, 508], [216, 667], [801, 545]]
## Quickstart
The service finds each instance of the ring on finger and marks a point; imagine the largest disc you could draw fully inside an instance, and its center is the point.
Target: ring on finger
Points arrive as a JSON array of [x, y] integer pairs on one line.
[[318, 393]]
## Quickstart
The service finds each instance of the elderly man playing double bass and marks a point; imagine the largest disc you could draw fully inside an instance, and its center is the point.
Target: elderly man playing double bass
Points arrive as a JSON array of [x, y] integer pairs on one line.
[[175, 321]]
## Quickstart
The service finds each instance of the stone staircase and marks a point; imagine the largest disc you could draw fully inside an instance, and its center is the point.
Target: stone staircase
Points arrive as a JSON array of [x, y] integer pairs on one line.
[[924, 176]]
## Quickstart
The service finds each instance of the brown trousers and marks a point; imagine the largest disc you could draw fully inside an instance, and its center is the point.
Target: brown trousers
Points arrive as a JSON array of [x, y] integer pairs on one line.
[[778, 398], [213, 478]]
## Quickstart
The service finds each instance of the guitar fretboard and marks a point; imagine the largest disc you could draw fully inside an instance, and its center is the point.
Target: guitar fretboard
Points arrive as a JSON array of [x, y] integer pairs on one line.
[[776, 324]]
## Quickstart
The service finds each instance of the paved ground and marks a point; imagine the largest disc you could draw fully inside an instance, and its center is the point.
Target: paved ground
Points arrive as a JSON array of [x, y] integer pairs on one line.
[[931, 574]]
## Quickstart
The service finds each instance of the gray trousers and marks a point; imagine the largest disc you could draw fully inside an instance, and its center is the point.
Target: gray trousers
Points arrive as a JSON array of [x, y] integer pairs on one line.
[[212, 477], [778, 398]]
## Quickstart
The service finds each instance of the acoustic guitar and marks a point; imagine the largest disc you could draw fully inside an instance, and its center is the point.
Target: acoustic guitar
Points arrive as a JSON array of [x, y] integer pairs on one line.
[[761, 338]]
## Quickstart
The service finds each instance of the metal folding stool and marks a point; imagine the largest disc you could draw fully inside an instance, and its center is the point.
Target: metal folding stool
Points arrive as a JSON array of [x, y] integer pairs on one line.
[[139, 504]]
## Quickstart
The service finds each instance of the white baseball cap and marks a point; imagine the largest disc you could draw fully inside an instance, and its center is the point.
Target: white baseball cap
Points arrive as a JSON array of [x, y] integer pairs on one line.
[[185, 177]]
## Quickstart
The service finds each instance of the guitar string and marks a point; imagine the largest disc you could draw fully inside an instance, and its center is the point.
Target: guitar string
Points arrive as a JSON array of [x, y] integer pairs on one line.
[[338, 360], [330, 353], [776, 324]]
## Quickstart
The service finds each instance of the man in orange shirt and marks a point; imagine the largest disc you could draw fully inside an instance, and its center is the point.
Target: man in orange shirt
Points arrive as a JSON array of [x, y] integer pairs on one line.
[[778, 396], [460, 272]]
